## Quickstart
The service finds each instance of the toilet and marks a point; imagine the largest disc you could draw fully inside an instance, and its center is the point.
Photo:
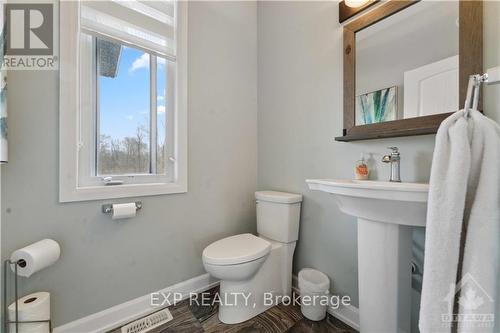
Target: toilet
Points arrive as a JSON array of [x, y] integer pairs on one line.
[[255, 272]]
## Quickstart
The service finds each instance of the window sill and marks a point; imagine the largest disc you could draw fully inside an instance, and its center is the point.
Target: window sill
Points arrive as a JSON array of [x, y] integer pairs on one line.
[[120, 191]]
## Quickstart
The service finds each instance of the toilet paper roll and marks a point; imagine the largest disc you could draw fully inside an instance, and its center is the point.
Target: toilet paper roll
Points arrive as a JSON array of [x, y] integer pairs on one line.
[[36, 257], [31, 307], [124, 211]]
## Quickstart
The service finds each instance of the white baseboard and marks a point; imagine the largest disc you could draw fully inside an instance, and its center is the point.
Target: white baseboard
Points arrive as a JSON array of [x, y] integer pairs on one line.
[[126, 312], [348, 314]]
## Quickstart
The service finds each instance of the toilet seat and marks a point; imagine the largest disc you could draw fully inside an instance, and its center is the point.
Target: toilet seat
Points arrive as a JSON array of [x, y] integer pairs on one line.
[[235, 250]]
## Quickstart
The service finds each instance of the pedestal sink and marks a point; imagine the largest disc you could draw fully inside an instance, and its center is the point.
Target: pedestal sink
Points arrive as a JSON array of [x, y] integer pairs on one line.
[[386, 212]]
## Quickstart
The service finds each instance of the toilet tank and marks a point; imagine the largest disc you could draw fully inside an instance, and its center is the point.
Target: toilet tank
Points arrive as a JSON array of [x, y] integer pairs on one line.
[[278, 215]]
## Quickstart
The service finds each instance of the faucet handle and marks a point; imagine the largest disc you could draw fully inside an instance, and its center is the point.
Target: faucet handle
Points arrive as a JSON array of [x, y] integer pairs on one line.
[[395, 150]]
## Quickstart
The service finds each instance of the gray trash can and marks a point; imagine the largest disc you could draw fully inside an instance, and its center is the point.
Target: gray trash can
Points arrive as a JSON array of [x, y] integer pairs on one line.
[[314, 287]]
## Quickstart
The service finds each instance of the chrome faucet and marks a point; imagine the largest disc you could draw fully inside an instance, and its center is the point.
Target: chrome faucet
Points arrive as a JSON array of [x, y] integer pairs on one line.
[[394, 158]]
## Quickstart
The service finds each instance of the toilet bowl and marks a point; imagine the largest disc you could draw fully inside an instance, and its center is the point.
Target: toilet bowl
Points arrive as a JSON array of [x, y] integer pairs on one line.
[[236, 258], [255, 272]]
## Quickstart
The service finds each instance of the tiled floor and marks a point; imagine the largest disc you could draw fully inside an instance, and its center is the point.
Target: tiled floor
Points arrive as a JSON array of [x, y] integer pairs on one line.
[[279, 319]]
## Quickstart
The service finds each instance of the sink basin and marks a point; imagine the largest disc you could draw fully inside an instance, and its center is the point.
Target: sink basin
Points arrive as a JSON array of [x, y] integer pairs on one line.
[[389, 202], [386, 213]]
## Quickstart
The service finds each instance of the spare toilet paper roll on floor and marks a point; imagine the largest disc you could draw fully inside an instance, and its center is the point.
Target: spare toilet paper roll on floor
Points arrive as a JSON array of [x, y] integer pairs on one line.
[[35, 306], [36, 256], [124, 211]]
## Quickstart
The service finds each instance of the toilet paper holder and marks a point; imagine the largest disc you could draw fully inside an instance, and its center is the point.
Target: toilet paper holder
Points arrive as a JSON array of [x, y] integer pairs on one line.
[[6, 320], [108, 208]]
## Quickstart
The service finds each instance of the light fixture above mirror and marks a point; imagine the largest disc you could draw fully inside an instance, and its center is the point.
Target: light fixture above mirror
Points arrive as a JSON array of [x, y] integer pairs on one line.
[[350, 8], [355, 3]]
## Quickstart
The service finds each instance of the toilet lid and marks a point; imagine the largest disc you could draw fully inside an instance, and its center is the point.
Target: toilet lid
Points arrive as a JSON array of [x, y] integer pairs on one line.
[[236, 250]]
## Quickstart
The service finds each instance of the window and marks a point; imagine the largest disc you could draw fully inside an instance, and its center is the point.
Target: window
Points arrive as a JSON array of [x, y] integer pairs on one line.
[[123, 99], [128, 100], [125, 106]]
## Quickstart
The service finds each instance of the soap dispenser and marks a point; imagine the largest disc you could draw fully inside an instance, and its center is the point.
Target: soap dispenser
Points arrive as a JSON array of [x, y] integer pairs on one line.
[[361, 170]]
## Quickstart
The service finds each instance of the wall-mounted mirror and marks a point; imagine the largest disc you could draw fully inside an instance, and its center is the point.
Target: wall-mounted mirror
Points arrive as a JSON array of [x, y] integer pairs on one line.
[[406, 66]]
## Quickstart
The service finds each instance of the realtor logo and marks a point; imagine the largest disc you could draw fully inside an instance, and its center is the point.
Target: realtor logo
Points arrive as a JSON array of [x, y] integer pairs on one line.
[[30, 29], [29, 36], [474, 304]]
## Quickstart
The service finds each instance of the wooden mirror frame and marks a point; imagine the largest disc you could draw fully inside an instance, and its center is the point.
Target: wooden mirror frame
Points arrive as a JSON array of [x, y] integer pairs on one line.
[[470, 51]]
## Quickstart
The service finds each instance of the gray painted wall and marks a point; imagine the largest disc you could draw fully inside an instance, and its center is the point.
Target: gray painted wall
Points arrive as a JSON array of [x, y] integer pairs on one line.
[[104, 262], [300, 111]]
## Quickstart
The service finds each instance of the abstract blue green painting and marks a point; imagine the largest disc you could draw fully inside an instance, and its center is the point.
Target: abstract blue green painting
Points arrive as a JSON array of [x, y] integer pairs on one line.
[[377, 106]]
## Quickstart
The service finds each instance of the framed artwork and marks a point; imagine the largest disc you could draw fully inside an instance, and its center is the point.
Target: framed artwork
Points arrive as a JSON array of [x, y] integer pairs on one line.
[[377, 106]]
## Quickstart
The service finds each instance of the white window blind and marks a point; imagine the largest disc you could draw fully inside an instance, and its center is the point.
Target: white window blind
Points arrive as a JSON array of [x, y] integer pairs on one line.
[[146, 24]]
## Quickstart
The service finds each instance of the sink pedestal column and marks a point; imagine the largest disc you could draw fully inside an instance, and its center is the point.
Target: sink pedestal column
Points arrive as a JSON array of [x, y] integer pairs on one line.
[[384, 276]]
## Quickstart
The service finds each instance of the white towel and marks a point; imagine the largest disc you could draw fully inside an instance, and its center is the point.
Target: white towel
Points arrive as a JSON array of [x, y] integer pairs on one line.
[[482, 245], [464, 185]]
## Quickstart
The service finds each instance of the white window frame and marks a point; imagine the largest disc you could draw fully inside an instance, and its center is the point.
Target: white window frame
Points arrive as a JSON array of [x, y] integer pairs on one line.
[[75, 181]]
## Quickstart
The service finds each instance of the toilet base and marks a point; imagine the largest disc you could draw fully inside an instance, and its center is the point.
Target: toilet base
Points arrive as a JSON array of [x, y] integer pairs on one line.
[[243, 300]]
